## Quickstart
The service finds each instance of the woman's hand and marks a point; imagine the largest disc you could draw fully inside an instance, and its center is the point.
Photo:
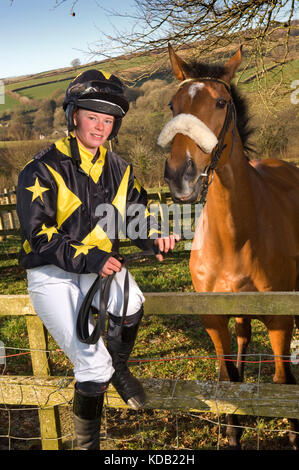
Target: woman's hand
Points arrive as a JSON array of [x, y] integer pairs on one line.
[[165, 244], [111, 266]]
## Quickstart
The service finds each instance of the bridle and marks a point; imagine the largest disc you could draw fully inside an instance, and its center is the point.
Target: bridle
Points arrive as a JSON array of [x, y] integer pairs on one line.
[[217, 151]]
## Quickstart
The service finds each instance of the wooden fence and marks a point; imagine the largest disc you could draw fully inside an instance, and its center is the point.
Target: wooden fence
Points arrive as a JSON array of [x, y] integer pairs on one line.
[[8, 219], [47, 392]]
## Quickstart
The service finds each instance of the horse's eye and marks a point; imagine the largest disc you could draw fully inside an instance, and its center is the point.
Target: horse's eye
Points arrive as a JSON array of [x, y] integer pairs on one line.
[[170, 105], [220, 103]]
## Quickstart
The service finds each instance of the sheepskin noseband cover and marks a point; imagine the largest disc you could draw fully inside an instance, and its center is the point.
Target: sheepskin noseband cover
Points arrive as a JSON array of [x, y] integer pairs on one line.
[[191, 126]]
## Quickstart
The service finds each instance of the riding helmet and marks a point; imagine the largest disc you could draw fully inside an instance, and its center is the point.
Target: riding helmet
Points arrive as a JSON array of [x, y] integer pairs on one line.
[[96, 91]]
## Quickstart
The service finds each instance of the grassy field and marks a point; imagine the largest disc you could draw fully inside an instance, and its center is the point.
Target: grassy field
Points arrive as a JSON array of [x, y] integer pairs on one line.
[[136, 65], [49, 82], [168, 347]]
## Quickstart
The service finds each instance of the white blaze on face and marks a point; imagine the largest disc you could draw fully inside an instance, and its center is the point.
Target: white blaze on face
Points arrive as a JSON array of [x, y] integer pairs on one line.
[[194, 88]]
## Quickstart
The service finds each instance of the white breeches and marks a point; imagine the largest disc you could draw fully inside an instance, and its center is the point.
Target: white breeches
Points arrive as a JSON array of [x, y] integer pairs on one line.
[[56, 296]]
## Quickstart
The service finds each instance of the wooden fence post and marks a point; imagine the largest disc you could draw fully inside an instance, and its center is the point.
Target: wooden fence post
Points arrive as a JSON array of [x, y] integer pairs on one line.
[[8, 200], [48, 416], [2, 237], [2, 226]]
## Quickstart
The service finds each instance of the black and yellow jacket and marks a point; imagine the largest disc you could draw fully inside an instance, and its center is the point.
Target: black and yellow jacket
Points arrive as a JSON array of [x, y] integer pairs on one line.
[[59, 202]]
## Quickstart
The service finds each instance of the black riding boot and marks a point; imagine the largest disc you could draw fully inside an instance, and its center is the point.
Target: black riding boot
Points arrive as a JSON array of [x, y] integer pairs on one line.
[[120, 343], [87, 410]]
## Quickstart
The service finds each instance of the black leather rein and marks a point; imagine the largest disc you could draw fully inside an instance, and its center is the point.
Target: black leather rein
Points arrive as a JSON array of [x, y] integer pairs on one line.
[[103, 286]]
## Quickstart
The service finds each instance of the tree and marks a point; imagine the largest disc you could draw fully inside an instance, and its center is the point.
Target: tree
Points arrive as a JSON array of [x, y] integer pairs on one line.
[[75, 63], [59, 119], [210, 28], [212, 22], [20, 125], [43, 119]]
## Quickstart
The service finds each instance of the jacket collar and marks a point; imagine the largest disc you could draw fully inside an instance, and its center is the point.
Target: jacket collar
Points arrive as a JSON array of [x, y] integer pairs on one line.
[[87, 164]]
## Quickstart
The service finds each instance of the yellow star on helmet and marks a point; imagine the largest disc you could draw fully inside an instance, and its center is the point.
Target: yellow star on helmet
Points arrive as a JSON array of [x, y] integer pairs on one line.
[[49, 231], [82, 249], [37, 190]]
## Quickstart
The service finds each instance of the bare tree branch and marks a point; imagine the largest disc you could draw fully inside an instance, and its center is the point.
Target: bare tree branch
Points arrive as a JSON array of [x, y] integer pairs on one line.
[[203, 27]]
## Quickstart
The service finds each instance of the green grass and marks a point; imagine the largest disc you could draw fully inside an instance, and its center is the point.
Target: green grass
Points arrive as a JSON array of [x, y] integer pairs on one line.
[[43, 91], [9, 103], [168, 347], [46, 90], [282, 76]]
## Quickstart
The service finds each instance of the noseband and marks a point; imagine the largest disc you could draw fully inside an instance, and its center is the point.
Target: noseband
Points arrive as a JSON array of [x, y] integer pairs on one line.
[[217, 151]]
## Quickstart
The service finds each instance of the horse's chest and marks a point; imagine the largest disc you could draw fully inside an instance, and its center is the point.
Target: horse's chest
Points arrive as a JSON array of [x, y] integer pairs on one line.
[[215, 274]]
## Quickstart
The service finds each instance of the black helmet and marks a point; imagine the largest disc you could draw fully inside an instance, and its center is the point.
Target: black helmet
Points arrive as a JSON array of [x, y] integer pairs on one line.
[[96, 91]]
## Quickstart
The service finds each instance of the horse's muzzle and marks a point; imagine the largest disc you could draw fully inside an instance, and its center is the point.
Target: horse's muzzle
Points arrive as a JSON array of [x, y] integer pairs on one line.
[[183, 183]]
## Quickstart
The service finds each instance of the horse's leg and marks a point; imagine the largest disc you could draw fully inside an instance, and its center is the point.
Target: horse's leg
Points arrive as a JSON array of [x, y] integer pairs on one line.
[[280, 333], [217, 328], [243, 333]]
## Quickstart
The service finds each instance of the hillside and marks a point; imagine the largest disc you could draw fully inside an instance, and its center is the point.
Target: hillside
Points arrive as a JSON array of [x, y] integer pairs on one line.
[[25, 89], [137, 68], [30, 100]]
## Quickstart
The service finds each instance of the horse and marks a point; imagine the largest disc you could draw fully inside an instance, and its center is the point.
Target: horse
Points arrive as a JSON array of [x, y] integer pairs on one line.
[[247, 236]]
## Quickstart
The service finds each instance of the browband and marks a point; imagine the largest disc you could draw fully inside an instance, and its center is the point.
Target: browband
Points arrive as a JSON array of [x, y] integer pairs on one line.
[[199, 79]]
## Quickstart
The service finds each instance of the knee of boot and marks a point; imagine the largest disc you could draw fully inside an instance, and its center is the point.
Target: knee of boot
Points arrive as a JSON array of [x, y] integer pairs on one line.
[[91, 389], [128, 330], [89, 399]]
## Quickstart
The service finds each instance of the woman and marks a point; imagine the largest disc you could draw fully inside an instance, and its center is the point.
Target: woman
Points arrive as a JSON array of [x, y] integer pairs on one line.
[[64, 196]]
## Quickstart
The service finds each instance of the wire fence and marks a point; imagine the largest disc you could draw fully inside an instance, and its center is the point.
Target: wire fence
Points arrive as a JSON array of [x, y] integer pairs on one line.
[[124, 429]]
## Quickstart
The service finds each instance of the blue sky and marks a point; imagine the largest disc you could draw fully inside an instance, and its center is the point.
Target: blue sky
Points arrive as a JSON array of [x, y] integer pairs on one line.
[[36, 37]]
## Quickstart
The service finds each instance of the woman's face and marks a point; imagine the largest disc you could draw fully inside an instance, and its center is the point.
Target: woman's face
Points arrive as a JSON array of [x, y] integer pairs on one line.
[[92, 129]]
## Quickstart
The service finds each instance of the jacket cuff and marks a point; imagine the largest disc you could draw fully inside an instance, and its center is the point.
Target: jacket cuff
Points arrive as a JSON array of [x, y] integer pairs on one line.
[[96, 259]]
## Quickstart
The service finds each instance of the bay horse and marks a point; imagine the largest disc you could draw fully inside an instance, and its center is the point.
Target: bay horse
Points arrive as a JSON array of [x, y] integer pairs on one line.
[[247, 237]]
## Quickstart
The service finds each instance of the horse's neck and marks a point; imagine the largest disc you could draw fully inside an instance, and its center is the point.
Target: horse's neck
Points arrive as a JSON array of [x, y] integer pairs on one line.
[[230, 202]]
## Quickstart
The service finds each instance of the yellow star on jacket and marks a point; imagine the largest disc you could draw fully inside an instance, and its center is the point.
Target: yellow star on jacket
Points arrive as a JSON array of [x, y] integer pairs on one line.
[[37, 190], [64, 224], [82, 249], [49, 231]]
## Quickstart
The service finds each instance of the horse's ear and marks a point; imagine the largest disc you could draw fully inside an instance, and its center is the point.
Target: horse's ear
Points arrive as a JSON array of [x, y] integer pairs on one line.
[[232, 65], [178, 65]]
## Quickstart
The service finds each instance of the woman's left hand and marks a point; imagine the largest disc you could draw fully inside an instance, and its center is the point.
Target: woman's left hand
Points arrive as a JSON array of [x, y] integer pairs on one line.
[[166, 244]]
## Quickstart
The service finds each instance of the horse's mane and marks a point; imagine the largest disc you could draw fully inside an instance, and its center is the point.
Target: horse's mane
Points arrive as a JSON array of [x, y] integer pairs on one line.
[[199, 70]]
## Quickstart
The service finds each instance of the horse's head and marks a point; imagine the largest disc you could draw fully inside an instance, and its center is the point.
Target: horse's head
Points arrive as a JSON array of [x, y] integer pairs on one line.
[[202, 113]]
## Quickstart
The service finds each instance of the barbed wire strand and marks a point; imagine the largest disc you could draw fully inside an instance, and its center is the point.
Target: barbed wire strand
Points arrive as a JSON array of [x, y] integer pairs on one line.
[[139, 361]]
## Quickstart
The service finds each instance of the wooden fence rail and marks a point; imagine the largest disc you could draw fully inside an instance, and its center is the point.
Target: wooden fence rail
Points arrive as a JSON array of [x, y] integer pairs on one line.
[[47, 392]]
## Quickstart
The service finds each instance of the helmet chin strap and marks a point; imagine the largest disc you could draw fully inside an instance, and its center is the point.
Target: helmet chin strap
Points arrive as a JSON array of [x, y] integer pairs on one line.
[[75, 153]]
